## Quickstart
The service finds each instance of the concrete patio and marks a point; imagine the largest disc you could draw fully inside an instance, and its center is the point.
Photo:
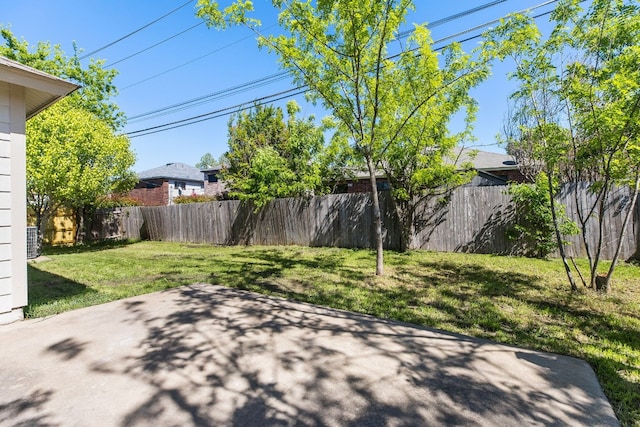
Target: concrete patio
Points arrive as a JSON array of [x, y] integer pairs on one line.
[[208, 355]]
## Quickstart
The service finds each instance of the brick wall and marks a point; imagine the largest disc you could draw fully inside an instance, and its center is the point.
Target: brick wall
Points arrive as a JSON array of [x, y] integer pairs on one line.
[[151, 193], [511, 175], [214, 188]]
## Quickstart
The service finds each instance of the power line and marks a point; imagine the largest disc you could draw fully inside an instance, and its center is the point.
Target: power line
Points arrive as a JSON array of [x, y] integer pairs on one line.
[[450, 18], [303, 89], [218, 113], [230, 110], [154, 45], [225, 93], [217, 95], [134, 31], [190, 61]]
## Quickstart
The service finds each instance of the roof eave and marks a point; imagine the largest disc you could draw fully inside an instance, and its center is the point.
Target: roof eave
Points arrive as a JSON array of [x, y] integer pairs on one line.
[[41, 89]]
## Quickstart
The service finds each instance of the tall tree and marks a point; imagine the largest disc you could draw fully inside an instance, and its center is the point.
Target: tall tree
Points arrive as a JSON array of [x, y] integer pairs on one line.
[[207, 161], [603, 96], [269, 158], [73, 153], [538, 131], [341, 50], [577, 108], [421, 157], [73, 158], [96, 82]]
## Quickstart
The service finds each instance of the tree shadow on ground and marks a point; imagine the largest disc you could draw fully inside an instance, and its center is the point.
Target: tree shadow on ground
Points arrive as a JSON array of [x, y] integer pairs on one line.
[[47, 288], [27, 411], [102, 245], [224, 357]]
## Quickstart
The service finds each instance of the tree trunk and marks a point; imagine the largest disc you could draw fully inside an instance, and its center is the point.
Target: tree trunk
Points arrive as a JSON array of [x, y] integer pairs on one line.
[[42, 219], [79, 238], [377, 218], [554, 215], [583, 229], [598, 252], [41, 225], [625, 222], [406, 216]]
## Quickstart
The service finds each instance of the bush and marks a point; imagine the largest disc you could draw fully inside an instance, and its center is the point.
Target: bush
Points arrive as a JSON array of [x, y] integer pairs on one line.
[[534, 221], [116, 201], [194, 198]]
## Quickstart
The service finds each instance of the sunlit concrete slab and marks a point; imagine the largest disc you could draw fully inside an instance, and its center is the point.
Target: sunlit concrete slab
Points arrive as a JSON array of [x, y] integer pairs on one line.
[[212, 356]]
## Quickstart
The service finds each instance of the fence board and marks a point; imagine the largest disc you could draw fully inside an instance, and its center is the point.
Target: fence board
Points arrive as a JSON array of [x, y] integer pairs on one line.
[[474, 220]]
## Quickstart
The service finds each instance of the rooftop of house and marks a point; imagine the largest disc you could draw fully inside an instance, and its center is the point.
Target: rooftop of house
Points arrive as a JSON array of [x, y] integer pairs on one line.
[[217, 168], [179, 171], [485, 160]]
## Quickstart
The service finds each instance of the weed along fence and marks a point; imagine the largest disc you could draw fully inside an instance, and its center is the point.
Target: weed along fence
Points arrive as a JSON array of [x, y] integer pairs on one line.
[[475, 220]]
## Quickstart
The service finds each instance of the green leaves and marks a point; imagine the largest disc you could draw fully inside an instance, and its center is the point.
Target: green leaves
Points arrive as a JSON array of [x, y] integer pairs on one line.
[[391, 101], [96, 82], [534, 220], [269, 158], [576, 113], [74, 158]]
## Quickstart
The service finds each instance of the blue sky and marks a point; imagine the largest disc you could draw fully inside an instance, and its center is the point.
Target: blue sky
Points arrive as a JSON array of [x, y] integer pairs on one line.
[[201, 62]]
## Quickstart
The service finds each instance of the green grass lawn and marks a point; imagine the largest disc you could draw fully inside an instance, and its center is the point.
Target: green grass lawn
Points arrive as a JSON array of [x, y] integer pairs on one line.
[[512, 300]]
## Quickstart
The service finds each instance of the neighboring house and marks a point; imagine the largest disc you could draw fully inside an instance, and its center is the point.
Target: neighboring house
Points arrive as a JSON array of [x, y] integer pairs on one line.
[[24, 92], [213, 183], [159, 186], [491, 168], [360, 183]]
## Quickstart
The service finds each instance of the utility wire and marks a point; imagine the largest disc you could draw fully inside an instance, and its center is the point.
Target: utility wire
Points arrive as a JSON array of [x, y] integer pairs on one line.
[[205, 96], [154, 45], [446, 19], [190, 61], [217, 95], [304, 89], [215, 114], [211, 97], [236, 108], [134, 31]]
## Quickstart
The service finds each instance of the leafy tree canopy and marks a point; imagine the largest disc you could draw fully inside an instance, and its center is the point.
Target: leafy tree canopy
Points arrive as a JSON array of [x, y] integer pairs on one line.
[[74, 159], [96, 83], [269, 158], [576, 112], [207, 161], [342, 51]]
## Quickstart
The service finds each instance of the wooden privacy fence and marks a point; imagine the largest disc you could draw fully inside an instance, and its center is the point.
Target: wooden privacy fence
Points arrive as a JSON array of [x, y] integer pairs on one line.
[[475, 220]]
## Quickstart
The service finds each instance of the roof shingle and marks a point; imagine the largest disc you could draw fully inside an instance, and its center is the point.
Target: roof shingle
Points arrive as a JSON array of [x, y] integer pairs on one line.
[[180, 171]]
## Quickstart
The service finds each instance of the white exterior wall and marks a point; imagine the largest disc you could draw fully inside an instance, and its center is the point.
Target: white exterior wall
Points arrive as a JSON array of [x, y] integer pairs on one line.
[[190, 189], [13, 211]]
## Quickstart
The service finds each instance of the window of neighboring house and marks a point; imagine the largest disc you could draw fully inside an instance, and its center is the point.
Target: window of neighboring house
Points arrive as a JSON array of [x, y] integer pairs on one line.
[[180, 185], [213, 177], [383, 186], [341, 188]]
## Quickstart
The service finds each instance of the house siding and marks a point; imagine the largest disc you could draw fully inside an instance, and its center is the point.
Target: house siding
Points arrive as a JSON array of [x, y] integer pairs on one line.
[[6, 299], [13, 214], [217, 188], [190, 188]]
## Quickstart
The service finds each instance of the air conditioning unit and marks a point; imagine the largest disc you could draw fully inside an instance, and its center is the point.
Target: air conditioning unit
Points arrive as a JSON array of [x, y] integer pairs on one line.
[[33, 243]]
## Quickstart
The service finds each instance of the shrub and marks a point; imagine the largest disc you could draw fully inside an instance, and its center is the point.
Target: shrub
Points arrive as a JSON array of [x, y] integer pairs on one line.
[[194, 198], [534, 221], [116, 201]]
